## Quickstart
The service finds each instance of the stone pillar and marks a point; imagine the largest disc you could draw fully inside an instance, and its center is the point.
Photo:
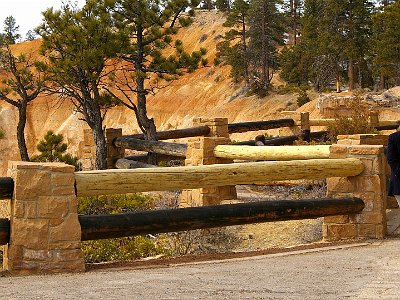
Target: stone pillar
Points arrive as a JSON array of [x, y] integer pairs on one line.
[[87, 150], [370, 186], [113, 153], [201, 152], [374, 118], [45, 231]]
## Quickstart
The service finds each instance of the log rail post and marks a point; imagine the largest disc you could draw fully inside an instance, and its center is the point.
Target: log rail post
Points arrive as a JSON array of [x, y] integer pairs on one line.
[[200, 151], [370, 186]]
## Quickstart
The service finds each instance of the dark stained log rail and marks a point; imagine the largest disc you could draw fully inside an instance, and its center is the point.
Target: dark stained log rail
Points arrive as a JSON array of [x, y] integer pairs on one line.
[[6, 187], [260, 125], [176, 134], [172, 220], [387, 127], [4, 231], [286, 140], [151, 146]]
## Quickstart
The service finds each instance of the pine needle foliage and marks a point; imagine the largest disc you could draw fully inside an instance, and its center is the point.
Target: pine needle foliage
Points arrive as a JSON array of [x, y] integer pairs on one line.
[[53, 149]]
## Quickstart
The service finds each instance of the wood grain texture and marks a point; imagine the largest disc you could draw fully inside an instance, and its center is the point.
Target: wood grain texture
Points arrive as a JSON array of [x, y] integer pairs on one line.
[[107, 182], [172, 220], [151, 146], [272, 152]]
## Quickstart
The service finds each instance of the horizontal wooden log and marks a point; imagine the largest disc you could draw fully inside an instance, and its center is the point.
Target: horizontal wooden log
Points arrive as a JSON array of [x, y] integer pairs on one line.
[[107, 182], [172, 220], [131, 164], [322, 122], [271, 152], [387, 127], [160, 158], [151, 146], [4, 231], [6, 187], [282, 140], [260, 125], [389, 122], [176, 134]]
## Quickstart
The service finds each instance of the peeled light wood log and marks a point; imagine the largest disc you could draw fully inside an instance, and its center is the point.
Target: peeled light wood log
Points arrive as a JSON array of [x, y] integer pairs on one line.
[[151, 146], [6, 187], [260, 125], [172, 220], [108, 182], [322, 122], [271, 152], [131, 164], [4, 231], [176, 134]]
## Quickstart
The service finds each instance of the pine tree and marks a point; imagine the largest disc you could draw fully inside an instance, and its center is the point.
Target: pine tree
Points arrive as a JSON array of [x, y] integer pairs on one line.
[[78, 44], [234, 49], [53, 149], [266, 33], [387, 45], [11, 29], [23, 83], [149, 26]]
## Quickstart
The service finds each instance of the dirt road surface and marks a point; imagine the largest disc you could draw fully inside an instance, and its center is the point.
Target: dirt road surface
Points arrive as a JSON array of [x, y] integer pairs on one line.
[[358, 271]]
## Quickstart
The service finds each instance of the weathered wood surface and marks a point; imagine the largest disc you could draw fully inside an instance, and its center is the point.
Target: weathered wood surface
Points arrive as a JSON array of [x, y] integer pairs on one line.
[[4, 231], [387, 127], [272, 152], [260, 125], [107, 182], [151, 146], [131, 164], [176, 134], [321, 122], [6, 187], [160, 157], [172, 220]]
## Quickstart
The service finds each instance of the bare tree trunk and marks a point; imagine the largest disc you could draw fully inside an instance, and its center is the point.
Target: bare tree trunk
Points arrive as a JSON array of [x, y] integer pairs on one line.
[[23, 151], [246, 63], [145, 123], [351, 74], [338, 89], [101, 148]]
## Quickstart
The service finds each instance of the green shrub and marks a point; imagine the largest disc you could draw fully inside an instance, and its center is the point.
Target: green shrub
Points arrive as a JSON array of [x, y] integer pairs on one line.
[[114, 204], [1, 134], [118, 249], [52, 149], [121, 249], [356, 123], [302, 98]]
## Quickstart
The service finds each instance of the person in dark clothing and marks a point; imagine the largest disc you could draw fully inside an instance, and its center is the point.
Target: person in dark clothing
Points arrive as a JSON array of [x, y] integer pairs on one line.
[[393, 157]]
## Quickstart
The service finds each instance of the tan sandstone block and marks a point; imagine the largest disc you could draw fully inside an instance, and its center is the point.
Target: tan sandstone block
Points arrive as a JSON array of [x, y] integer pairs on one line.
[[37, 255], [369, 199], [69, 230], [31, 183], [367, 230], [366, 150], [368, 183], [342, 231], [368, 218], [342, 219], [54, 207], [32, 234], [341, 184], [62, 179]]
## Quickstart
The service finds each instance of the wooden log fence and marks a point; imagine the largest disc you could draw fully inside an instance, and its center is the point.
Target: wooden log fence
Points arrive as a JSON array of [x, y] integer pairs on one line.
[[176, 134], [151, 146], [107, 182], [173, 220], [4, 231], [259, 125], [272, 152], [6, 187]]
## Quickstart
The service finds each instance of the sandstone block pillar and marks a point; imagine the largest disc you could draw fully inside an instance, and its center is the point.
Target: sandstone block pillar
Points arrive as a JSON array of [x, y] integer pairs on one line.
[[201, 152], [294, 130], [87, 150], [370, 186], [45, 232], [113, 153]]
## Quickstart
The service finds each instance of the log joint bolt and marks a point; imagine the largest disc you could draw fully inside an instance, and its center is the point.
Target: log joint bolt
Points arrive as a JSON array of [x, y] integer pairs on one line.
[[370, 186], [45, 234], [200, 151]]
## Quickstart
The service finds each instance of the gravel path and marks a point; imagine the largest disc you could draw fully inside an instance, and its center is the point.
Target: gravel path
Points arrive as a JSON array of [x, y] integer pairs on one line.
[[363, 271]]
